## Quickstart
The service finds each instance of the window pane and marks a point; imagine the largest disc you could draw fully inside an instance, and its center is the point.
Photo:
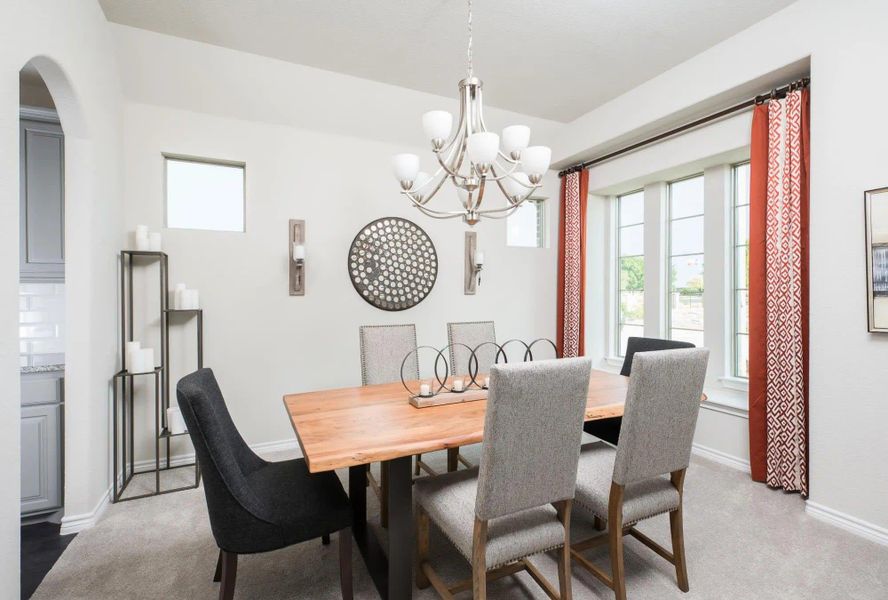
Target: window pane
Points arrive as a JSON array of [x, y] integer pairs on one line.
[[632, 307], [204, 196], [685, 335], [741, 267], [686, 310], [524, 226], [627, 331], [686, 236], [632, 240], [741, 308], [687, 274], [742, 354], [686, 197], [741, 225], [631, 209], [741, 183], [632, 273]]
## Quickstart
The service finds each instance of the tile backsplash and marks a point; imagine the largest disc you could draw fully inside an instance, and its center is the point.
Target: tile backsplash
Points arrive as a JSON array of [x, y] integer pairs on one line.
[[41, 324]]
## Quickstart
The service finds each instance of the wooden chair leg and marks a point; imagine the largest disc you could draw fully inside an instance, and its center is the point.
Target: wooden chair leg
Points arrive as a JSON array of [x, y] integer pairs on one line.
[[479, 560], [383, 495], [676, 525], [325, 539], [345, 563], [564, 575], [615, 539], [422, 547], [218, 575], [229, 575]]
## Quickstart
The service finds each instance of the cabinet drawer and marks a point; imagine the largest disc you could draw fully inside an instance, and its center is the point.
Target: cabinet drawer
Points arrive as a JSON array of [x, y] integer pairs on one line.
[[42, 388]]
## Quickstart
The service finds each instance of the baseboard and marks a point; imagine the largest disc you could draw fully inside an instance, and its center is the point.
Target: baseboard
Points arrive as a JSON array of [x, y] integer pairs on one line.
[[178, 460], [75, 523], [854, 525], [720, 457]]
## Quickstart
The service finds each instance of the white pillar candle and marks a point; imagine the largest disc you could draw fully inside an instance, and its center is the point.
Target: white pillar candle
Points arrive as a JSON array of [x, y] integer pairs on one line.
[[487, 382], [457, 385], [141, 231], [425, 390], [192, 299], [178, 301], [128, 352], [175, 421], [154, 241], [143, 360], [142, 242]]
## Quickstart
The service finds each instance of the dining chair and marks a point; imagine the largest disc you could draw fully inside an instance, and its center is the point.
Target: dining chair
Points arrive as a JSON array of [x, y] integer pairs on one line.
[[609, 429], [254, 505], [383, 350], [518, 501], [461, 336], [644, 476]]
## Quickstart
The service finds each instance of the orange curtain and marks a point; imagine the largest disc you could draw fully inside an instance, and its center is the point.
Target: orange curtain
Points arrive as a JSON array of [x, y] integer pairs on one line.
[[572, 263], [778, 292]]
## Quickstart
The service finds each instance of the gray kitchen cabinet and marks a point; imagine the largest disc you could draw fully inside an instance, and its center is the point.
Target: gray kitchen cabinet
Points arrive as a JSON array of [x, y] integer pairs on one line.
[[42, 200], [41, 464]]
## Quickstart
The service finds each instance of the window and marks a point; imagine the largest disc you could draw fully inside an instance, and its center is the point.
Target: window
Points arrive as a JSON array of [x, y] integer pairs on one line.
[[740, 242], [630, 268], [204, 194], [685, 261], [526, 226]]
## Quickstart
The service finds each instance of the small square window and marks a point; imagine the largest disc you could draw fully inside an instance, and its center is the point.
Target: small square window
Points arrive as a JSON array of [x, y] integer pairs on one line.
[[204, 194], [526, 226]]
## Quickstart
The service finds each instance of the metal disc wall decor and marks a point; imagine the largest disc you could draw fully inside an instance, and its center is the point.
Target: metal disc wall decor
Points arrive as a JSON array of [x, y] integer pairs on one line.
[[392, 263]]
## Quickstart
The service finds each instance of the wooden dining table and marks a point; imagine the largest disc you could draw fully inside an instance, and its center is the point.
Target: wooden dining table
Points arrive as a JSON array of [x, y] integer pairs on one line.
[[353, 427]]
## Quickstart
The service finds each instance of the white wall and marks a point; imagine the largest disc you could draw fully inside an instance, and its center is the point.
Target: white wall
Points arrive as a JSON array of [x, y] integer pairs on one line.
[[848, 51], [261, 342], [77, 62]]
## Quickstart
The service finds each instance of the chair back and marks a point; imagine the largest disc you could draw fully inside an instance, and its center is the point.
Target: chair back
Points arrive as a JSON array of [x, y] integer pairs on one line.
[[660, 415], [532, 435], [383, 348], [472, 334], [224, 457], [644, 344]]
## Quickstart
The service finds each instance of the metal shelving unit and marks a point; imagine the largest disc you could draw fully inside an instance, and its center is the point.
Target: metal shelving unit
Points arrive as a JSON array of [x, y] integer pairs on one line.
[[123, 397]]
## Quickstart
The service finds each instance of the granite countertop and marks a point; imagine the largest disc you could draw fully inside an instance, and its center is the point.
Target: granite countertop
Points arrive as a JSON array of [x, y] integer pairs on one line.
[[43, 369]]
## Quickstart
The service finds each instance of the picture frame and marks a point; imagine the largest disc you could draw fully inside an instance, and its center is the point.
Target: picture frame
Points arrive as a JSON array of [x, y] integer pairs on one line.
[[876, 210]]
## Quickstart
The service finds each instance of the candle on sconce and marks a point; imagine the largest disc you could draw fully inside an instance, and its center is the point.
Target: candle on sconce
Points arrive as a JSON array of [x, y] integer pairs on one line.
[[425, 389], [298, 251], [458, 385]]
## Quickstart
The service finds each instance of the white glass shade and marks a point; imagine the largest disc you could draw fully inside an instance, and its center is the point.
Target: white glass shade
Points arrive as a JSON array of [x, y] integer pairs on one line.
[[419, 184], [482, 147], [517, 184], [463, 195], [298, 251], [515, 138], [437, 124], [479, 257], [405, 166], [535, 160]]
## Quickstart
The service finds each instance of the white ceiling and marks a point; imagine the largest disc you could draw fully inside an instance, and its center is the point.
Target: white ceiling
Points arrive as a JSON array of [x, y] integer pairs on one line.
[[544, 58]]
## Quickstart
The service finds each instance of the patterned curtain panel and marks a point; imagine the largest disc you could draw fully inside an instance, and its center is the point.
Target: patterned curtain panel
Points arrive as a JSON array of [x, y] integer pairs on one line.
[[572, 262], [778, 293]]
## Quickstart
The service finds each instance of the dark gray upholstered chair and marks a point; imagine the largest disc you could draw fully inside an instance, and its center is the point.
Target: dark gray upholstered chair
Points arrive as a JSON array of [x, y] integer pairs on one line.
[[255, 505], [644, 476], [609, 429], [518, 502]]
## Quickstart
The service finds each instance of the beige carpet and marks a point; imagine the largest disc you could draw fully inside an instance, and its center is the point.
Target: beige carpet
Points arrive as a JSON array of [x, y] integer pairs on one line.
[[743, 541]]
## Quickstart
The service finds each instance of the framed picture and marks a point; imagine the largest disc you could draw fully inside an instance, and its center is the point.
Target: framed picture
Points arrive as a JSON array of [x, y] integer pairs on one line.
[[876, 203]]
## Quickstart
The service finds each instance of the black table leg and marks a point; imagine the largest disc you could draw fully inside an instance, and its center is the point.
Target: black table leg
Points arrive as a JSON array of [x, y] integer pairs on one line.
[[392, 575]]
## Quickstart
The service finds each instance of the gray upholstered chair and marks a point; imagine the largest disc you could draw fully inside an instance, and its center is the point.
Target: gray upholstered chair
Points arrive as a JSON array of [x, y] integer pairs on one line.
[[609, 429], [476, 335], [644, 476], [383, 349], [518, 502]]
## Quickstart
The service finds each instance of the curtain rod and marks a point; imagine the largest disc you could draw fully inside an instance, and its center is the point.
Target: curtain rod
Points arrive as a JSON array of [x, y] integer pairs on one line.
[[775, 93]]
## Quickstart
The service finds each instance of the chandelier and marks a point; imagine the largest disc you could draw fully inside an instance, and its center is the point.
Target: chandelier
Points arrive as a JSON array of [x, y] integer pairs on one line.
[[473, 158]]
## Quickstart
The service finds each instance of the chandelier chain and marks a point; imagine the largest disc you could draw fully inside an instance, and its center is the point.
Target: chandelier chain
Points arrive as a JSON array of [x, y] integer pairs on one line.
[[469, 51]]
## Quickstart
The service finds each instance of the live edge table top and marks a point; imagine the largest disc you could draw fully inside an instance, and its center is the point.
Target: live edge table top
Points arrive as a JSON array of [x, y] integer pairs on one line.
[[353, 426]]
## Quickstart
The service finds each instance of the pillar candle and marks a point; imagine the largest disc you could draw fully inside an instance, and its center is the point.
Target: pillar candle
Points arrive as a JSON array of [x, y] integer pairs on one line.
[[487, 382], [154, 241], [425, 390], [178, 301], [128, 353], [457, 385]]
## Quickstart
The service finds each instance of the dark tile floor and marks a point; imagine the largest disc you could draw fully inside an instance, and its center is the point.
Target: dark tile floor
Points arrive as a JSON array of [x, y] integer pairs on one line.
[[41, 548]]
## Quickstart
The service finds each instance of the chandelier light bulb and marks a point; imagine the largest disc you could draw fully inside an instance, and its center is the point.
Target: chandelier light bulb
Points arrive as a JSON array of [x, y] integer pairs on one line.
[[515, 140], [437, 125], [405, 167], [482, 148], [535, 161]]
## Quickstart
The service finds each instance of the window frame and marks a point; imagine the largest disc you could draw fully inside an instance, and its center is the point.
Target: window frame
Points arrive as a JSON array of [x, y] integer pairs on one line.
[[733, 350], [539, 203], [667, 313], [618, 257], [217, 162]]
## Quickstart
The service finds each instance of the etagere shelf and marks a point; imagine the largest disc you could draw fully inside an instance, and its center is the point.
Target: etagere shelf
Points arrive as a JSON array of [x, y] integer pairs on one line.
[[123, 397]]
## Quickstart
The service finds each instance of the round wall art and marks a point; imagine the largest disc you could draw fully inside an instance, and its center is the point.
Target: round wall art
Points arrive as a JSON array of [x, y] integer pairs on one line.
[[392, 263]]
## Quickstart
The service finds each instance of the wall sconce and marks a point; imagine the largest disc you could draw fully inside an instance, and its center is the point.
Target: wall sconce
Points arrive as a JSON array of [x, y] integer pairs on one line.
[[474, 261], [297, 257]]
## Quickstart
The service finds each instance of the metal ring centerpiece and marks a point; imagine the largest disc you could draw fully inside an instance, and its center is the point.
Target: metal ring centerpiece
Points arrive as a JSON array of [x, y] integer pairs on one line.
[[474, 365]]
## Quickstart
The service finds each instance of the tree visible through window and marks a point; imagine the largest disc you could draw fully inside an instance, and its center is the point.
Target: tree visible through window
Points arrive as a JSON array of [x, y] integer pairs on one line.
[[685, 300], [630, 268]]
